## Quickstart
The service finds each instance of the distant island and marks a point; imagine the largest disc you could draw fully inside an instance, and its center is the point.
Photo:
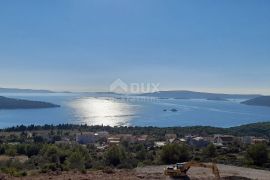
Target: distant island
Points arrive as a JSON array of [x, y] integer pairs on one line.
[[10, 103], [258, 101], [198, 95], [16, 90]]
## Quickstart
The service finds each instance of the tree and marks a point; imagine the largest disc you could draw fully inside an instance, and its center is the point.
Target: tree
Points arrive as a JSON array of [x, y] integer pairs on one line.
[[21, 149], [258, 153], [114, 156], [32, 149], [76, 161], [173, 153], [210, 151], [52, 153], [39, 139]]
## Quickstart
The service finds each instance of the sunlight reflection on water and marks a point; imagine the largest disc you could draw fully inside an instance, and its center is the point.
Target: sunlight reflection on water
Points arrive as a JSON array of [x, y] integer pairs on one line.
[[98, 111]]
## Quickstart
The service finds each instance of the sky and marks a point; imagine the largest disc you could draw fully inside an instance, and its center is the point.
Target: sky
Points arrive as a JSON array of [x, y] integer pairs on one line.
[[84, 45]]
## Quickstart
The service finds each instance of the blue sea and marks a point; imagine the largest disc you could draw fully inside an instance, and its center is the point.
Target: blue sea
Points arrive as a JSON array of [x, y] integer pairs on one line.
[[113, 110]]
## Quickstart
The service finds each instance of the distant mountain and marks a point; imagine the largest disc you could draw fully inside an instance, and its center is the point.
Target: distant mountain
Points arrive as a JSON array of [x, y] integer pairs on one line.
[[258, 101], [108, 93], [198, 95], [10, 103], [217, 99], [15, 90]]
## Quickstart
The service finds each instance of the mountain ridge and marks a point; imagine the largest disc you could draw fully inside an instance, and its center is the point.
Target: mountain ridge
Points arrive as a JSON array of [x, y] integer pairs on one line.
[[18, 90], [12, 103], [258, 101], [184, 94]]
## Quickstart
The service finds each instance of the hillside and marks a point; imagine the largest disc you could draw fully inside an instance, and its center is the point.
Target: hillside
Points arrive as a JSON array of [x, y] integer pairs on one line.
[[10, 103], [198, 95], [254, 129], [258, 101], [15, 90]]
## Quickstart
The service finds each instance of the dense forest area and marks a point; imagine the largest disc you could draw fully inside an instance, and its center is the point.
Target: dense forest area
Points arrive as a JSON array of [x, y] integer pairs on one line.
[[261, 129]]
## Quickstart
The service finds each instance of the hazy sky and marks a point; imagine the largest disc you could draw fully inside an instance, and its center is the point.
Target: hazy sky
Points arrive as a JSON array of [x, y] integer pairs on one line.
[[84, 45]]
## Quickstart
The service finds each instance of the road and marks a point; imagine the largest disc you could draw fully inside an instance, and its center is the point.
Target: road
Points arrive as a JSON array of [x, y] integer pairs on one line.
[[152, 173]]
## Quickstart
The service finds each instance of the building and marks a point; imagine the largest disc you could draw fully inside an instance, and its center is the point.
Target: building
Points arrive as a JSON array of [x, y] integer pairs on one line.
[[127, 137], [223, 140], [113, 140], [259, 140], [170, 136], [142, 138], [178, 141], [159, 144], [197, 142], [102, 134], [247, 139], [253, 140], [86, 138]]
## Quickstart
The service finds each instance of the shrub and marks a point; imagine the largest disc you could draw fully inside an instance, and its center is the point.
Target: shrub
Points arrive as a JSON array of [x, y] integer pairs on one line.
[[11, 151], [76, 161], [173, 153], [114, 155], [210, 151], [32, 150], [258, 154]]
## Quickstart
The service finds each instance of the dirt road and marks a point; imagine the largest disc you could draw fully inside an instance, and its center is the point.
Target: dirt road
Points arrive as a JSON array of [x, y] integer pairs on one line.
[[154, 173], [226, 172]]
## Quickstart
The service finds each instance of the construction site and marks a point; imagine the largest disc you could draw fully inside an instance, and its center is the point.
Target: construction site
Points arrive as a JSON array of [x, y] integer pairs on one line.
[[195, 172]]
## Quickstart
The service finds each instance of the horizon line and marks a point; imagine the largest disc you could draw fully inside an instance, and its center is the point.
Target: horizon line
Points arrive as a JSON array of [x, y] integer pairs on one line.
[[163, 90]]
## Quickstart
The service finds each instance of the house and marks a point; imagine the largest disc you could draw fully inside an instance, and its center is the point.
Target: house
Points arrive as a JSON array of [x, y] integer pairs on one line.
[[197, 142], [259, 140], [142, 138], [253, 140], [159, 144], [223, 140], [127, 137], [113, 140], [102, 134], [177, 141], [247, 139], [170, 136], [208, 138], [86, 138]]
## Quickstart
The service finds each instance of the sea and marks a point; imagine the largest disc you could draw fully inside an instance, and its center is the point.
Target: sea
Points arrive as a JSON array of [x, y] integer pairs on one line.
[[123, 110]]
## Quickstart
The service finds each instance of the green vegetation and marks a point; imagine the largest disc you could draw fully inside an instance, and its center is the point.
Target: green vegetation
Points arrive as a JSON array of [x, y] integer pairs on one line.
[[210, 151], [258, 154], [40, 153], [261, 129], [173, 153]]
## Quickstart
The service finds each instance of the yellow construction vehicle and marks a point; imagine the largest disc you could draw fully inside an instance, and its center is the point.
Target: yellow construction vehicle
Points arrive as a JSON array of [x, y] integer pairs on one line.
[[181, 169]]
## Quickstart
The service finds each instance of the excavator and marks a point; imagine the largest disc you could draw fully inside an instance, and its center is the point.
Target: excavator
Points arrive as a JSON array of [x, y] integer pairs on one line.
[[180, 169]]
